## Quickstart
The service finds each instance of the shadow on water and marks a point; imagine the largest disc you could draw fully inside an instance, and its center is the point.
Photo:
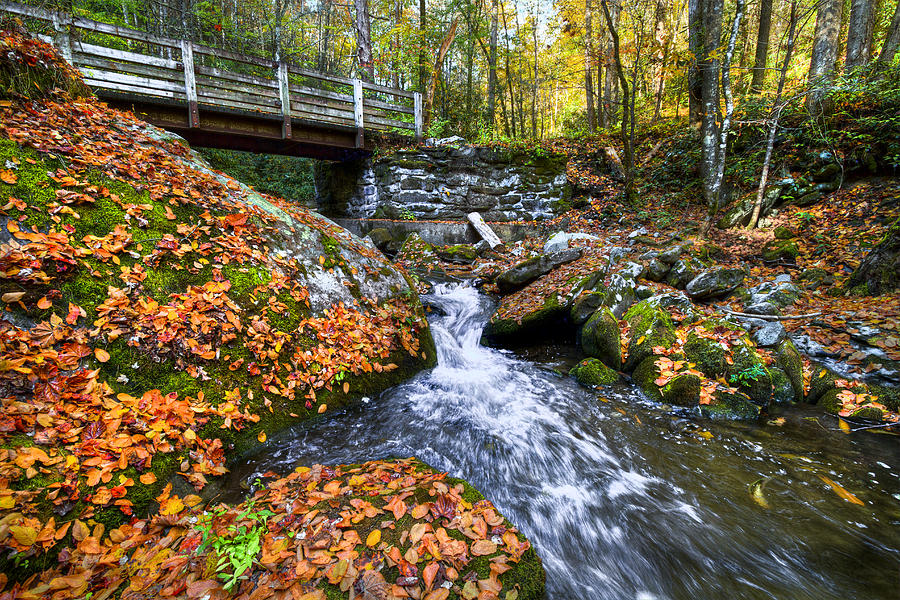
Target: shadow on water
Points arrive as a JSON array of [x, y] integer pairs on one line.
[[621, 498]]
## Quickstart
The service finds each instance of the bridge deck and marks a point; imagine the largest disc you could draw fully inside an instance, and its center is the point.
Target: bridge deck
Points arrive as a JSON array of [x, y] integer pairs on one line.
[[222, 99]]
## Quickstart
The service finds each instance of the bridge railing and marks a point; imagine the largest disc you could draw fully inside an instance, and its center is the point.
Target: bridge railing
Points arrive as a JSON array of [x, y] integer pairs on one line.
[[124, 61]]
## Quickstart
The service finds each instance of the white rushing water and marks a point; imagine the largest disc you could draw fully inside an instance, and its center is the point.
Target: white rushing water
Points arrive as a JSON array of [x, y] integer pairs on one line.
[[618, 505]]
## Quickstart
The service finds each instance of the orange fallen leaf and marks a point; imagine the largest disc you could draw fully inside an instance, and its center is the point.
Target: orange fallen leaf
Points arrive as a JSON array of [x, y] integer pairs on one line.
[[101, 354]]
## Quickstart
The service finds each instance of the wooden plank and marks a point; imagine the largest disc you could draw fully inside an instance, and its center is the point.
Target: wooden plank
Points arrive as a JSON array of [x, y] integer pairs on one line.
[[270, 104], [391, 123], [82, 60], [214, 73], [247, 106], [124, 55], [315, 117], [124, 32], [409, 110], [318, 75], [227, 55], [358, 112], [387, 90], [214, 86], [417, 105], [133, 89], [308, 91], [28, 11], [315, 109], [134, 80], [190, 84]]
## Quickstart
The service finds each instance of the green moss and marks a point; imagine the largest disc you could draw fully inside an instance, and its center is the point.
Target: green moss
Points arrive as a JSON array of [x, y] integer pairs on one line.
[[650, 326], [782, 390], [868, 413], [592, 373], [890, 397], [731, 406], [547, 321], [788, 359], [821, 382], [747, 360], [600, 338], [707, 354], [784, 250]]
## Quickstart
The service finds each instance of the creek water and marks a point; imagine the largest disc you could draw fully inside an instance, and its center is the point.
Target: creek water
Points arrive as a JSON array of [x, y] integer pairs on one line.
[[622, 498]]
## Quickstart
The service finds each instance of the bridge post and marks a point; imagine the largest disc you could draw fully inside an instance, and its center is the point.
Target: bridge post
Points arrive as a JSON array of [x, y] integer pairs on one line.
[[417, 107], [62, 38], [284, 88], [190, 83], [358, 112]]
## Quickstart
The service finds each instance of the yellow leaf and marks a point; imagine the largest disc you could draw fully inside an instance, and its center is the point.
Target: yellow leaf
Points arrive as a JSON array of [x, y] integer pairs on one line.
[[641, 340], [189, 435], [844, 425], [101, 354], [840, 491], [7, 502], [10, 297], [322, 408], [172, 506], [373, 538], [346, 388], [23, 534], [261, 436]]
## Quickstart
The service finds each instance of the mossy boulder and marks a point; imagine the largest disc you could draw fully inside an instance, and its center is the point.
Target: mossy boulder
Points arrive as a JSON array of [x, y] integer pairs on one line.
[[731, 406], [681, 390], [822, 380], [879, 272], [649, 326], [707, 354], [789, 361], [543, 322], [683, 271], [783, 233], [585, 305], [714, 283], [381, 238], [749, 372], [781, 250], [593, 373], [463, 254], [183, 287], [600, 338]]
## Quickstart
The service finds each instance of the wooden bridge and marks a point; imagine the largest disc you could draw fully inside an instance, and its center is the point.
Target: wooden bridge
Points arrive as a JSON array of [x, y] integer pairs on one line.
[[221, 99]]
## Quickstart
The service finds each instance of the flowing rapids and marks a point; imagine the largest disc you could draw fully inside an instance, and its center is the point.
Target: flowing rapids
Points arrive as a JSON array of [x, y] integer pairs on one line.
[[621, 498]]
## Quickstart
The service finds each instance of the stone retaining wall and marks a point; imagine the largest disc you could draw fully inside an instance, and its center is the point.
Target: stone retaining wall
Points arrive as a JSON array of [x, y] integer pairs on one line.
[[446, 183]]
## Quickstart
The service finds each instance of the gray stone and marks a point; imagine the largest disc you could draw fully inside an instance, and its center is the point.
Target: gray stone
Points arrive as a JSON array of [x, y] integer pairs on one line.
[[762, 308], [585, 305], [770, 334], [671, 255], [631, 270], [620, 295], [381, 238], [527, 271], [561, 240], [656, 270], [714, 283], [683, 271]]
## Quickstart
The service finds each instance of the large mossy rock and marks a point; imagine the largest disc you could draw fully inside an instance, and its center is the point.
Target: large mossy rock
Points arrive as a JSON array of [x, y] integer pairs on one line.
[[649, 326], [781, 250], [321, 532], [528, 270], [541, 310], [591, 372], [159, 300], [879, 272], [789, 361], [600, 338], [681, 390], [714, 283]]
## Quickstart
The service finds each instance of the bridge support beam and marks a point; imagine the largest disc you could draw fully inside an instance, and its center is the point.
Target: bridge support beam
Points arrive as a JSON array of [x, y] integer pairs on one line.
[[284, 88], [190, 83], [358, 112]]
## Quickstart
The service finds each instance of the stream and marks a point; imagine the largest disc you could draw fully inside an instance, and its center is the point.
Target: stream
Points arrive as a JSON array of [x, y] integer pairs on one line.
[[622, 498]]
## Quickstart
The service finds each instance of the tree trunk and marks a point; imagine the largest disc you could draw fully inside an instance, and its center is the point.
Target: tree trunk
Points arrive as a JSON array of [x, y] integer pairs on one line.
[[612, 76], [824, 53], [722, 151], [435, 74], [762, 47], [423, 57], [859, 34], [492, 69], [892, 40], [777, 107], [364, 40], [588, 67], [628, 166], [880, 269], [396, 65], [695, 48], [709, 78]]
